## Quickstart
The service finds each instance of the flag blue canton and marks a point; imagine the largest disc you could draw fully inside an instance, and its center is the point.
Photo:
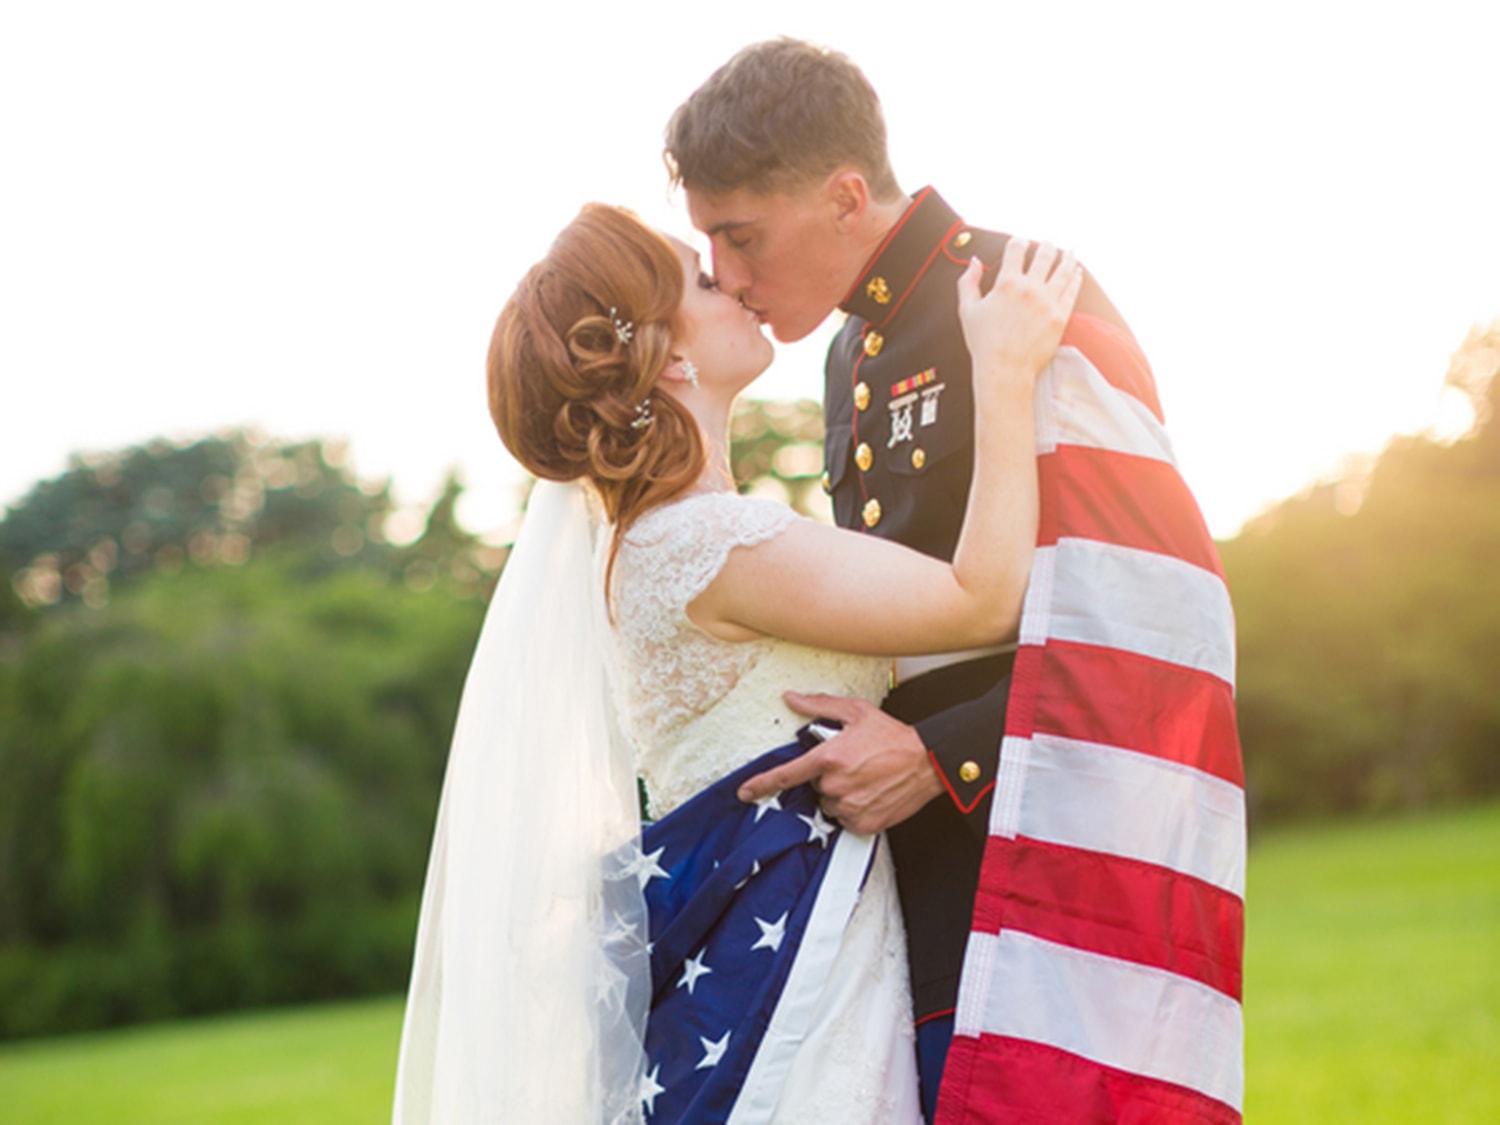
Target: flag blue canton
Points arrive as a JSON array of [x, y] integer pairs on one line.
[[730, 888]]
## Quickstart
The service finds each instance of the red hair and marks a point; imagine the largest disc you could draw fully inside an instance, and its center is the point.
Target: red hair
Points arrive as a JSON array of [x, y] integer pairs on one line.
[[565, 388]]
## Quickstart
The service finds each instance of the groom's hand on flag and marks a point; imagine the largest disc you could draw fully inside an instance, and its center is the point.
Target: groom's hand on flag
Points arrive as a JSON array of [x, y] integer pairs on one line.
[[872, 774]]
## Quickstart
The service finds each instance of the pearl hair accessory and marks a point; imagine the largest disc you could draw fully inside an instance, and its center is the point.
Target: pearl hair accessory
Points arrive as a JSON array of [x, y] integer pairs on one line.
[[624, 329], [643, 416]]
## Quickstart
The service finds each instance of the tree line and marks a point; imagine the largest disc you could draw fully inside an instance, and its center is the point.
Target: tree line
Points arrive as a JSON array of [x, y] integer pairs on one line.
[[226, 695], [1369, 624]]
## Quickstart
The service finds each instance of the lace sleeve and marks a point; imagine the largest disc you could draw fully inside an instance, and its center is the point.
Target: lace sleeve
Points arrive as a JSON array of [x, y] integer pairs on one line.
[[674, 552]]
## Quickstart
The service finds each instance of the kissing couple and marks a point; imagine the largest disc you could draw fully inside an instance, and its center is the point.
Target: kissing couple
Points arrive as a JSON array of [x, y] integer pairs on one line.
[[945, 806]]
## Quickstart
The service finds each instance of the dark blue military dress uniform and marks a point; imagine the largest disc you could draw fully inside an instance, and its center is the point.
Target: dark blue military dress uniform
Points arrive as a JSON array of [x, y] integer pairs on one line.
[[899, 410]]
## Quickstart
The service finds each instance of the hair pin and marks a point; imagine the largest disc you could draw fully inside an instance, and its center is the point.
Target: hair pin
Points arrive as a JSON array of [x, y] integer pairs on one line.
[[624, 329], [643, 416]]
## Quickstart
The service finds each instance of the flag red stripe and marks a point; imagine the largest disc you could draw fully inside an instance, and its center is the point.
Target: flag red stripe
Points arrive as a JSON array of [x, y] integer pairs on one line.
[[1111, 905], [1133, 702], [1120, 498], [1028, 1083], [1126, 909], [1115, 355]]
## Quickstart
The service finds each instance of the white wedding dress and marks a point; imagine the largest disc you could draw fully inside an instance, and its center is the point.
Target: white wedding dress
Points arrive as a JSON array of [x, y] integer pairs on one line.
[[696, 708]]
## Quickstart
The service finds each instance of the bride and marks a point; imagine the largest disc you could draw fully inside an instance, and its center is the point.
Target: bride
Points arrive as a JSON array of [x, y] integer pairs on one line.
[[646, 625]]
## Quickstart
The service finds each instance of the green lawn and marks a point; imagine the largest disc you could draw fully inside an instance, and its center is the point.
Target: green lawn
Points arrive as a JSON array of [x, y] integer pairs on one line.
[[1373, 996], [316, 1066], [1373, 972]]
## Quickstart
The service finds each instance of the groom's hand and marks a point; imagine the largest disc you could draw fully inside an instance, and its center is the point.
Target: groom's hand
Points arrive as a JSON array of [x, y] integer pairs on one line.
[[872, 774]]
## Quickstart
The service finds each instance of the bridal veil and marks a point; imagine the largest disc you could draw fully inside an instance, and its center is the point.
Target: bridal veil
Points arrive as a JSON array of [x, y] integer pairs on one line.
[[530, 983]]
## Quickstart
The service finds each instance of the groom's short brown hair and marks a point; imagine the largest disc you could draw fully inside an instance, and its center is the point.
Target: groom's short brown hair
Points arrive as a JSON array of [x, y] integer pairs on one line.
[[776, 116]]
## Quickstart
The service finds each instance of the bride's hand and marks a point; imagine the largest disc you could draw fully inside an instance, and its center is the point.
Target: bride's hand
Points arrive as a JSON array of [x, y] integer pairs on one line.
[[1018, 324]]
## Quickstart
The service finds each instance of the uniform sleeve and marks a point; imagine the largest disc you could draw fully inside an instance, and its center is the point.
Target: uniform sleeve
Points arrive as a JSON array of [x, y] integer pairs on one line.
[[963, 744]]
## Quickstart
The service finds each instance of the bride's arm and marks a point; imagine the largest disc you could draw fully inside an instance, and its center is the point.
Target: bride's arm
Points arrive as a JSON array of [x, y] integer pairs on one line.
[[840, 589]]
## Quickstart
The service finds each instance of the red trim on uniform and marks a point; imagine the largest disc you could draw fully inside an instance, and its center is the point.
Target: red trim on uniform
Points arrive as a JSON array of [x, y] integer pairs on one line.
[[1024, 1081], [1124, 499], [879, 250], [957, 801], [936, 250], [933, 1016], [1115, 906], [1116, 355], [1134, 702]]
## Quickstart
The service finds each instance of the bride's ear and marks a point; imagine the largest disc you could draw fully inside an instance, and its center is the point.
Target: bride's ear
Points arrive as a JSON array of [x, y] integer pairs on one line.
[[681, 370]]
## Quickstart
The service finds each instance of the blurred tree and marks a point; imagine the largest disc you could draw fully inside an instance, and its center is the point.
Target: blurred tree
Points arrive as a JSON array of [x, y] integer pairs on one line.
[[222, 729], [776, 448], [1368, 625], [115, 516], [228, 773], [447, 552]]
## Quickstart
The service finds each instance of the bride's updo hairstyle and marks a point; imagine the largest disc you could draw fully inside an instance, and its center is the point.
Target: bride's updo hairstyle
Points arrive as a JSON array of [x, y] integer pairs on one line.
[[577, 352]]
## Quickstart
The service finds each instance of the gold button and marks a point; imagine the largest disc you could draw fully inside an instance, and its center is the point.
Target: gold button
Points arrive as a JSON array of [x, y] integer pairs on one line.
[[918, 458], [827, 483], [962, 239], [969, 771], [861, 396], [879, 291], [872, 513], [874, 341], [864, 457]]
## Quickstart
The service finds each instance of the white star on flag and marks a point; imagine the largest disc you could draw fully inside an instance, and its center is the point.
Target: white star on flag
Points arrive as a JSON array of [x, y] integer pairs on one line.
[[712, 1052], [767, 804], [819, 829], [621, 931], [771, 933], [692, 969], [650, 1088], [754, 871], [645, 868], [609, 988]]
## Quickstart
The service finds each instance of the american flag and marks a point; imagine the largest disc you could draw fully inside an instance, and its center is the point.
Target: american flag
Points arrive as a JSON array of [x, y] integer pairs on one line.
[[1102, 978], [748, 905]]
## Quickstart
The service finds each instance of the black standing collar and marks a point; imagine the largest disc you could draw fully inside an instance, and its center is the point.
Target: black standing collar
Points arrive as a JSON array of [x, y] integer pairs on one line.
[[896, 267]]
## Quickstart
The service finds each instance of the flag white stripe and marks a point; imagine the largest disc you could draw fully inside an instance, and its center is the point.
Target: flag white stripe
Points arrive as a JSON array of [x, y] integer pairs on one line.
[[797, 1005], [1084, 408], [1142, 602], [1131, 1017], [1034, 610], [1119, 802]]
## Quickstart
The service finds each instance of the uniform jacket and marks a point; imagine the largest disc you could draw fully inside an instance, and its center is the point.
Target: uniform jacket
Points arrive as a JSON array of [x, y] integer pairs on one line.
[[899, 415]]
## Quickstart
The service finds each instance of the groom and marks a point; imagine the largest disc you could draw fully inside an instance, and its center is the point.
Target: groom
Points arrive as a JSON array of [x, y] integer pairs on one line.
[[796, 194], [782, 155]]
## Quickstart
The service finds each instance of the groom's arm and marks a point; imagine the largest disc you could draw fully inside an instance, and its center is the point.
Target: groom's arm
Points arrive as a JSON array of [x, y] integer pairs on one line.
[[878, 771], [963, 749]]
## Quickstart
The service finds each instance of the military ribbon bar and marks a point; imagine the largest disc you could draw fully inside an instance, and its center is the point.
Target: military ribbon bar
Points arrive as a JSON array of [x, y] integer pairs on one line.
[[907, 385]]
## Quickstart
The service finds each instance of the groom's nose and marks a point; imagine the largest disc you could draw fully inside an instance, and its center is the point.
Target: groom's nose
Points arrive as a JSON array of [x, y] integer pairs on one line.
[[730, 273]]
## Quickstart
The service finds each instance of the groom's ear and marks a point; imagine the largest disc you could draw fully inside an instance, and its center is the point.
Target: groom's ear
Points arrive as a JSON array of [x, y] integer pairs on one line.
[[848, 195]]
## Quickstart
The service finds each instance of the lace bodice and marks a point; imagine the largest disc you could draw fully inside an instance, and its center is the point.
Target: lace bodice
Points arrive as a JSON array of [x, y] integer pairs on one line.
[[696, 707]]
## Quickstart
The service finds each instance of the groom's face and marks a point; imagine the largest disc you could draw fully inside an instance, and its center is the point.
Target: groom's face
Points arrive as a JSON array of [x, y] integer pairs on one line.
[[779, 253]]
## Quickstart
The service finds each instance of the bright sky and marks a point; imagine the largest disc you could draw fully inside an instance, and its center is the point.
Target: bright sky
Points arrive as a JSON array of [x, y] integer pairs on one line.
[[305, 215]]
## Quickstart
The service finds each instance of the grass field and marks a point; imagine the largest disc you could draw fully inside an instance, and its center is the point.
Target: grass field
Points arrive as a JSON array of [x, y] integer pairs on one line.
[[1372, 987], [1373, 996]]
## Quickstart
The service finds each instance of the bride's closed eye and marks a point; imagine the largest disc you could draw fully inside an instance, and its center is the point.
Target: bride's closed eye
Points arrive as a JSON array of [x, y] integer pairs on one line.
[[706, 282]]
